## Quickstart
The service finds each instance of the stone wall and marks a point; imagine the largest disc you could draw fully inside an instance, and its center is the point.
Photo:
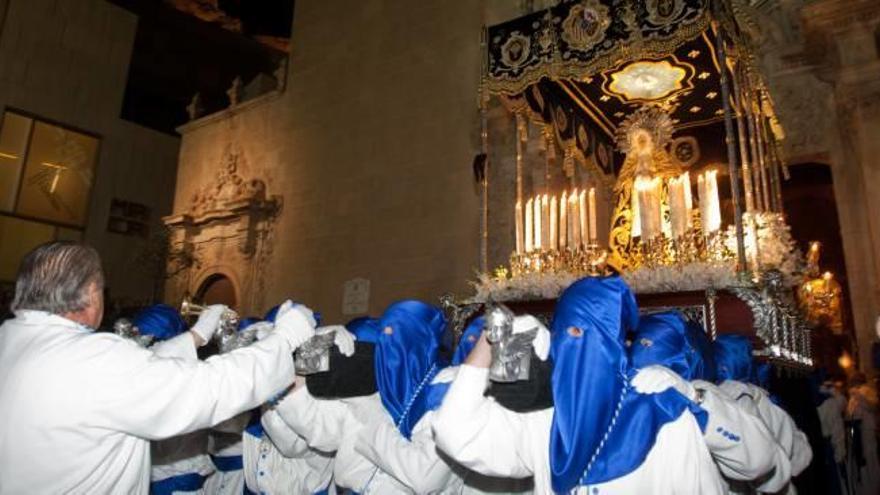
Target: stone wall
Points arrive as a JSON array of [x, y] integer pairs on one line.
[[370, 146], [821, 60], [67, 61]]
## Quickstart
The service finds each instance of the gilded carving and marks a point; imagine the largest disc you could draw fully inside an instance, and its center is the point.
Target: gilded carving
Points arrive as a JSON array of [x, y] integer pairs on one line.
[[585, 25]]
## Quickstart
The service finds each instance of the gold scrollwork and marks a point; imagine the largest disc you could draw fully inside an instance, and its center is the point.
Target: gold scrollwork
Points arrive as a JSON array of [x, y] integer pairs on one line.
[[662, 12], [515, 50], [585, 25]]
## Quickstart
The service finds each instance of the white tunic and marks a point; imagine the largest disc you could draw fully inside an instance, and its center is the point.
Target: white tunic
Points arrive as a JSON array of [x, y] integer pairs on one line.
[[741, 444], [792, 440], [281, 462], [489, 439], [184, 454], [79, 408], [334, 426], [863, 406], [831, 421], [225, 446]]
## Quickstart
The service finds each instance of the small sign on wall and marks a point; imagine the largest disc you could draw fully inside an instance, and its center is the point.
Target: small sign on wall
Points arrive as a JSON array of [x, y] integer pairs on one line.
[[355, 297]]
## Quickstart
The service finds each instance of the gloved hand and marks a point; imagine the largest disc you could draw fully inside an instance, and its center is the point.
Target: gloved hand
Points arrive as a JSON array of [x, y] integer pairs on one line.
[[541, 343], [208, 322], [296, 321], [655, 379], [344, 340]]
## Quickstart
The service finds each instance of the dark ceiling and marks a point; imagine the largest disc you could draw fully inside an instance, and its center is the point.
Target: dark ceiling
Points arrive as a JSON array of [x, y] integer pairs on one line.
[[183, 47]]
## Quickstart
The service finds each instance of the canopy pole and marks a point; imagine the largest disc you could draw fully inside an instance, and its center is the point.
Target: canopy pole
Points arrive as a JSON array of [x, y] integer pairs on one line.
[[731, 153], [484, 148], [741, 135]]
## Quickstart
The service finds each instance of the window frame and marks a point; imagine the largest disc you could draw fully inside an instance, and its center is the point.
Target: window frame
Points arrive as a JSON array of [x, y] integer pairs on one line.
[[37, 118]]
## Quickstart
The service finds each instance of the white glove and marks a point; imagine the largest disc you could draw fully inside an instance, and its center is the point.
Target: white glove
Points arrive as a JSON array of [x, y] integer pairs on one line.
[[209, 322], [297, 321], [343, 339], [541, 343], [655, 379]]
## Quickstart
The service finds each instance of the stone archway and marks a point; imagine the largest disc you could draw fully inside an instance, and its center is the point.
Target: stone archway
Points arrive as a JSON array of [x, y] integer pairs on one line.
[[217, 289], [222, 239]]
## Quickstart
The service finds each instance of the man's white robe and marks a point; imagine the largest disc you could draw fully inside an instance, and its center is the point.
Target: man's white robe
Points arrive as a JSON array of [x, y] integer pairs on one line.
[[79, 408], [485, 437], [334, 426]]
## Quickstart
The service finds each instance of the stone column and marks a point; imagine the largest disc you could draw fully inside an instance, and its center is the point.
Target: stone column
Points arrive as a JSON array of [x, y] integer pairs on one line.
[[841, 39]]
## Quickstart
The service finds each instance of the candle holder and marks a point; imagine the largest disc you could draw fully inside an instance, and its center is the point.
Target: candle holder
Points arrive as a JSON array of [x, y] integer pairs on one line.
[[582, 260]]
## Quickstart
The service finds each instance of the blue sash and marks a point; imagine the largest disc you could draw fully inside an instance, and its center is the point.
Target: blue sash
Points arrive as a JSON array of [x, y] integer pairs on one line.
[[181, 483], [228, 463]]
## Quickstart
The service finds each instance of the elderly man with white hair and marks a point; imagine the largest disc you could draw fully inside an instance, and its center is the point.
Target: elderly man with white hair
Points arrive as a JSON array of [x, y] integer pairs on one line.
[[79, 408]]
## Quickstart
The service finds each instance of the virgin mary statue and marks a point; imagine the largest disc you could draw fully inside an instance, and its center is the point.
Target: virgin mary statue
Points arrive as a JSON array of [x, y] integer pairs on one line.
[[643, 138]]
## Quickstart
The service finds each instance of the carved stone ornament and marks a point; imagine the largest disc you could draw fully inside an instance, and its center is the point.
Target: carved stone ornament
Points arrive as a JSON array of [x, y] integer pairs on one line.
[[230, 198]]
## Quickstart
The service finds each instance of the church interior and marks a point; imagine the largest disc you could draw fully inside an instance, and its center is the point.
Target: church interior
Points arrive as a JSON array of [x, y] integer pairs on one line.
[[723, 157]]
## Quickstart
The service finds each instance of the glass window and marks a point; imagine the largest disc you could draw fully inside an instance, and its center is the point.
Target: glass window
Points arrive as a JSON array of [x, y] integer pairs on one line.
[[14, 135], [46, 174], [57, 175]]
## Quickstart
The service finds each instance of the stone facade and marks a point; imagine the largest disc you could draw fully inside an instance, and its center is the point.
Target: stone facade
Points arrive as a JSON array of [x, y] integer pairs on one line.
[[67, 62], [370, 147]]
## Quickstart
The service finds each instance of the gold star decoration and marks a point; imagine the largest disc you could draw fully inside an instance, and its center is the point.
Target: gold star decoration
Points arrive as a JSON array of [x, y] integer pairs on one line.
[[720, 111], [604, 98], [695, 109], [587, 79], [711, 95], [704, 75], [694, 53], [618, 114]]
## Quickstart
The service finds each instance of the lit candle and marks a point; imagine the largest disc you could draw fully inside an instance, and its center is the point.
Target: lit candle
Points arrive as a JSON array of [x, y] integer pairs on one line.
[[593, 229], [636, 230], [545, 221], [688, 200], [714, 208], [563, 220], [582, 213], [537, 206], [678, 212], [826, 280], [554, 223], [529, 224], [648, 191], [574, 215], [519, 227]]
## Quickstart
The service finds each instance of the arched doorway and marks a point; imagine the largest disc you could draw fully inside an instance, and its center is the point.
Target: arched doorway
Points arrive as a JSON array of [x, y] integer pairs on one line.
[[217, 289]]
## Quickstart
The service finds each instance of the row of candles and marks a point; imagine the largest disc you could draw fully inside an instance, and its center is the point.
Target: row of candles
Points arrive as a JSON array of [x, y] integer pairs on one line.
[[648, 220], [551, 222]]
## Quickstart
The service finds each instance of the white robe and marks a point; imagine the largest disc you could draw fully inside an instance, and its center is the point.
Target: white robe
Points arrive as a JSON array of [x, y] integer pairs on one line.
[[831, 413], [485, 437], [753, 453], [281, 462], [334, 426], [180, 456], [225, 444], [184, 454], [79, 408], [792, 440], [863, 406]]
